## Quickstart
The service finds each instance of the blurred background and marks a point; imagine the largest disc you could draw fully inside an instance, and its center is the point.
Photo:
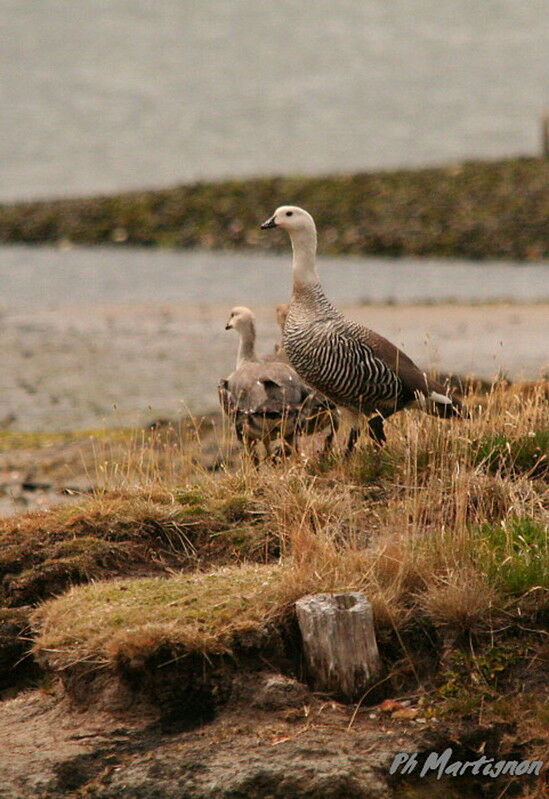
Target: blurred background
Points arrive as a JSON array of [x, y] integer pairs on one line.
[[99, 98]]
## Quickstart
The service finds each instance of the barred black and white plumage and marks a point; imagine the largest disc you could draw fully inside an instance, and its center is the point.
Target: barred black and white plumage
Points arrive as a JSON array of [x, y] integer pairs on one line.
[[317, 413], [334, 356], [351, 365]]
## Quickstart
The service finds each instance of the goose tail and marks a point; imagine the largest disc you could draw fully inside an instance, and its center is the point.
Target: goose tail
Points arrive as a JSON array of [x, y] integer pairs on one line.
[[442, 403]]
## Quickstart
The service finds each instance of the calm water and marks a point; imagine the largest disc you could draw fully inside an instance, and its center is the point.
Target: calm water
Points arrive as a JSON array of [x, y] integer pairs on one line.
[[98, 95], [45, 278]]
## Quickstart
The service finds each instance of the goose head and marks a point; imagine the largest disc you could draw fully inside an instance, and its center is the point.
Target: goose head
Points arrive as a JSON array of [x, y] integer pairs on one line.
[[240, 319], [290, 218]]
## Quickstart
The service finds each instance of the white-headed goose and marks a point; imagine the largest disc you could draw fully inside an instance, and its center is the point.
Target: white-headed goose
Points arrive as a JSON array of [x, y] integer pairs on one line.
[[351, 365]]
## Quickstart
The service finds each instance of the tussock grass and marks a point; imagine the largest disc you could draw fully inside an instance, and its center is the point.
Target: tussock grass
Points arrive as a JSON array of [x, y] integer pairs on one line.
[[431, 532]]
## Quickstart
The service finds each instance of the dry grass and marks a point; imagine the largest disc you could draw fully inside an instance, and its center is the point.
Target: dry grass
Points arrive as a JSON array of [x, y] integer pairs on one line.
[[438, 530], [110, 458]]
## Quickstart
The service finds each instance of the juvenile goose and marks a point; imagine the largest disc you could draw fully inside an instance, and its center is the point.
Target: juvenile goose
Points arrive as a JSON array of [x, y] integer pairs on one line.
[[351, 365], [263, 399], [278, 353]]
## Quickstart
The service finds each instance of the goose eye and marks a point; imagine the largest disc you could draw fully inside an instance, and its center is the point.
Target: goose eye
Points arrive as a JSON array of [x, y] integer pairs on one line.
[[289, 213]]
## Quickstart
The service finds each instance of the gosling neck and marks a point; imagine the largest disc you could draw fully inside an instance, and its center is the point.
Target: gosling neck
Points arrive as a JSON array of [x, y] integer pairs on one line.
[[304, 258], [246, 346]]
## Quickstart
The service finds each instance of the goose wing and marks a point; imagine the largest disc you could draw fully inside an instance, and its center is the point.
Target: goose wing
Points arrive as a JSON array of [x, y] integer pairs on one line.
[[226, 398], [397, 361], [415, 383], [265, 388]]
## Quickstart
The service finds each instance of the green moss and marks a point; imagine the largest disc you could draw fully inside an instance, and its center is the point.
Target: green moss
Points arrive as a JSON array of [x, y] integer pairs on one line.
[[472, 678], [524, 455], [236, 508], [190, 496], [372, 466], [474, 210], [515, 554], [197, 612], [190, 512]]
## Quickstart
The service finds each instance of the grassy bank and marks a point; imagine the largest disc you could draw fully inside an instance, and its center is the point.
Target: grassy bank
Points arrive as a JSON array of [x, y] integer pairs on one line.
[[172, 578], [473, 210]]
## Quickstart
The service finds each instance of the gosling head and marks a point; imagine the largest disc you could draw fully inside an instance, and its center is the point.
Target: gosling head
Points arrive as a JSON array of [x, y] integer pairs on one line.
[[290, 218], [240, 319]]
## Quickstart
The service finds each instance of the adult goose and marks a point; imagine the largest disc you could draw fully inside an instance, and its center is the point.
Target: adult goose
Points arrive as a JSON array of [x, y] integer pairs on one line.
[[354, 367], [263, 399], [318, 413]]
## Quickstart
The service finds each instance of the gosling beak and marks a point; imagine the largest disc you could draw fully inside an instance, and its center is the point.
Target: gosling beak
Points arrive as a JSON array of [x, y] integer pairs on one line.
[[269, 223]]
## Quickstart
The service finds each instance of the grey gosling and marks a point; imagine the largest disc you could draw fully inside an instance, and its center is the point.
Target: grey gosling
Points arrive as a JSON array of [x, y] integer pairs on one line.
[[354, 367], [262, 399]]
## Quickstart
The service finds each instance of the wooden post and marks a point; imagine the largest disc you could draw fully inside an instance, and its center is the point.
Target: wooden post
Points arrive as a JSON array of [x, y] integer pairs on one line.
[[339, 642], [545, 136]]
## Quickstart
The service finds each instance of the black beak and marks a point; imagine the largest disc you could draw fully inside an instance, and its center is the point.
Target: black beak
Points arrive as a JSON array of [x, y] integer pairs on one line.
[[269, 223]]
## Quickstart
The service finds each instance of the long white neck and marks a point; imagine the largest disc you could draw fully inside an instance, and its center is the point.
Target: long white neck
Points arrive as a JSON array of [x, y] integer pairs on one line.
[[304, 256], [246, 346]]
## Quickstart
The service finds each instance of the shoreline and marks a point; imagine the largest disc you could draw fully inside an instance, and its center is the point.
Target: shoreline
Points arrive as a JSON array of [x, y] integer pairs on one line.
[[473, 210]]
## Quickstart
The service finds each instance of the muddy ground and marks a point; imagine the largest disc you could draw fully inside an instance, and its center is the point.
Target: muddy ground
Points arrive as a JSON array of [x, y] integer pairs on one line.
[[294, 745], [118, 366]]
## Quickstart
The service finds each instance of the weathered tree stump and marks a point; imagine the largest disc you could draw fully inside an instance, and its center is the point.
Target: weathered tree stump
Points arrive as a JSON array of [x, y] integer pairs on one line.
[[339, 642]]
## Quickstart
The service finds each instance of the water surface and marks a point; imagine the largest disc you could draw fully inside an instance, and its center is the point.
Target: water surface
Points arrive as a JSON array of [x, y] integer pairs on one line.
[[46, 277], [99, 95]]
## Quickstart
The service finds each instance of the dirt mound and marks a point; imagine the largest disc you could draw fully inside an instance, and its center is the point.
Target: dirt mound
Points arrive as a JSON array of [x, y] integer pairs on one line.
[[109, 536]]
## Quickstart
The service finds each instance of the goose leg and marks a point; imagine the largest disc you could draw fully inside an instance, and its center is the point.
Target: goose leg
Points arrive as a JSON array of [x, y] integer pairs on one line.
[[329, 440], [287, 447], [250, 447], [353, 438], [376, 431], [290, 444], [328, 443]]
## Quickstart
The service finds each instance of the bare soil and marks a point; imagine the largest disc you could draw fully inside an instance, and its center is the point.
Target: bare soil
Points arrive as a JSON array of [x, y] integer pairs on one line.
[[315, 749]]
